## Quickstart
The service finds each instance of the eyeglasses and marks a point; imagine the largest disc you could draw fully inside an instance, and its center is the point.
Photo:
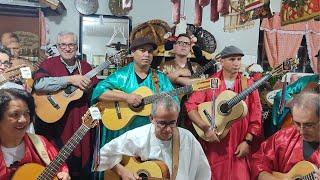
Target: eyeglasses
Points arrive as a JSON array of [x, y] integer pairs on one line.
[[182, 43], [164, 124], [70, 46], [306, 125]]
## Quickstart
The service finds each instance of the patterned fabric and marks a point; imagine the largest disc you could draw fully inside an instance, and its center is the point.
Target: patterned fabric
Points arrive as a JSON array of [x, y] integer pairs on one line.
[[283, 42], [293, 11]]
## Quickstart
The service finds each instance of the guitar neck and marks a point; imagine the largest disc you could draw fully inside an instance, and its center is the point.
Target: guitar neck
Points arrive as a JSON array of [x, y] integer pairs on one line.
[[92, 73], [182, 90], [235, 100], [309, 176], [203, 69], [51, 170], [96, 70]]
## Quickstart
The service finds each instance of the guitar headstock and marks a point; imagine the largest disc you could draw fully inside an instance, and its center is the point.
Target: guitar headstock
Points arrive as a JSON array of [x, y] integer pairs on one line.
[[87, 118], [12, 73], [286, 66], [203, 84], [118, 57]]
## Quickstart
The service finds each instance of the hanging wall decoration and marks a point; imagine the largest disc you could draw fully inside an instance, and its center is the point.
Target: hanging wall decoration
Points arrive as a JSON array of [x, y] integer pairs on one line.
[[293, 11]]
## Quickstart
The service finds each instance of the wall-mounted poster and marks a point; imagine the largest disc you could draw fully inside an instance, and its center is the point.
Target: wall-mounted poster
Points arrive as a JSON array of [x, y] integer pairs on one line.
[[293, 11]]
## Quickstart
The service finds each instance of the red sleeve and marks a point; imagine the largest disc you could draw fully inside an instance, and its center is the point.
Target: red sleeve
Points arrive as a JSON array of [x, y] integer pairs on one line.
[[52, 152], [262, 160], [195, 99], [255, 110]]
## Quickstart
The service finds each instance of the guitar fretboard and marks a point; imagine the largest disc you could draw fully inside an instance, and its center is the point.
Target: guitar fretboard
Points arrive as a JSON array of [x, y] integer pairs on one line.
[[51, 170], [182, 90], [203, 69], [235, 100], [309, 176]]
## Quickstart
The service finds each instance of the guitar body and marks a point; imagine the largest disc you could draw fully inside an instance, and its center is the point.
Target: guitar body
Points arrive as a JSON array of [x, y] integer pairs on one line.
[[117, 115], [151, 169], [298, 171], [29, 171], [222, 121], [52, 111]]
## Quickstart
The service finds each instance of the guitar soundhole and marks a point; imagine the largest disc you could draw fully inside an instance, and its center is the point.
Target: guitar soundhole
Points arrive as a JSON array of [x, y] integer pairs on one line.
[[224, 108], [143, 174], [137, 108]]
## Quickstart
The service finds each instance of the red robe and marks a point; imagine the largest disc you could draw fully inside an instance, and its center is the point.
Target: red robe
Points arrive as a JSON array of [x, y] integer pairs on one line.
[[281, 152], [61, 131], [224, 164], [30, 156]]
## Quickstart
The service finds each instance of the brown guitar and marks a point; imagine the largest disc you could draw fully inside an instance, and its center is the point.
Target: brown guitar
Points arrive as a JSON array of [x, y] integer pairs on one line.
[[229, 106], [51, 107], [145, 170], [35, 171], [302, 170]]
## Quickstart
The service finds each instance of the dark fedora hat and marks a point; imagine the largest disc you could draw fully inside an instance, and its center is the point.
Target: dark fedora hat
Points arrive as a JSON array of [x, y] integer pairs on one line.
[[138, 42]]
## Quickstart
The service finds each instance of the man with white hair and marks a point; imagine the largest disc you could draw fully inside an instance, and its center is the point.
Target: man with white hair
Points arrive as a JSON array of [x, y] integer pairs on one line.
[[157, 141], [58, 73]]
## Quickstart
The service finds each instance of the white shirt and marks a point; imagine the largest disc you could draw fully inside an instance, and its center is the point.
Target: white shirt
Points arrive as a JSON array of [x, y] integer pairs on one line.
[[142, 142], [13, 154]]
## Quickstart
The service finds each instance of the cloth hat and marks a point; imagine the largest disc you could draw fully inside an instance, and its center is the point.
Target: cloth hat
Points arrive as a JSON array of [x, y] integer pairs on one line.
[[138, 42], [230, 51]]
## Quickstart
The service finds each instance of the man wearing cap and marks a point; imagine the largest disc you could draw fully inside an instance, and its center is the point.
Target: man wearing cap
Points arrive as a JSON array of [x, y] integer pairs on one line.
[[129, 78], [305, 83], [228, 157]]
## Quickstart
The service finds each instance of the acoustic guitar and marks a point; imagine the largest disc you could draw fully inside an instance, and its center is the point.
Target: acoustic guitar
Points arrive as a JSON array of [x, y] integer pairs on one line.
[[117, 115], [229, 106], [51, 107], [35, 171], [11, 74], [145, 170], [302, 170]]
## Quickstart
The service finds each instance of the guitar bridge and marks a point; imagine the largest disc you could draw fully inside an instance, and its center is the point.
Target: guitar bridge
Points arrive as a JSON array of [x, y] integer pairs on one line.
[[53, 102]]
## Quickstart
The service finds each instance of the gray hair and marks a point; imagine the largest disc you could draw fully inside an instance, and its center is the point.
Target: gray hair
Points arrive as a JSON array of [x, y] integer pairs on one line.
[[64, 33], [307, 100], [167, 102]]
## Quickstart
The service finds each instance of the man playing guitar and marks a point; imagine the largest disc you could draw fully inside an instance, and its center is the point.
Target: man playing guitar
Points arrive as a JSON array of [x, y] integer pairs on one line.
[[228, 156], [288, 146], [58, 73]]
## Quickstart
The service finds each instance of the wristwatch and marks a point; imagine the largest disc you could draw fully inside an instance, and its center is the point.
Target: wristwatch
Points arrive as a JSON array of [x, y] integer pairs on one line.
[[249, 142]]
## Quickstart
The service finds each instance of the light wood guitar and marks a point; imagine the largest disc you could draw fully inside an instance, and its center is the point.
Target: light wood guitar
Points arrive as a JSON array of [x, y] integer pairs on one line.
[[35, 171], [11, 74], [117, 115], [51, 107], [302, 170], [145, 170], [229, 106]]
